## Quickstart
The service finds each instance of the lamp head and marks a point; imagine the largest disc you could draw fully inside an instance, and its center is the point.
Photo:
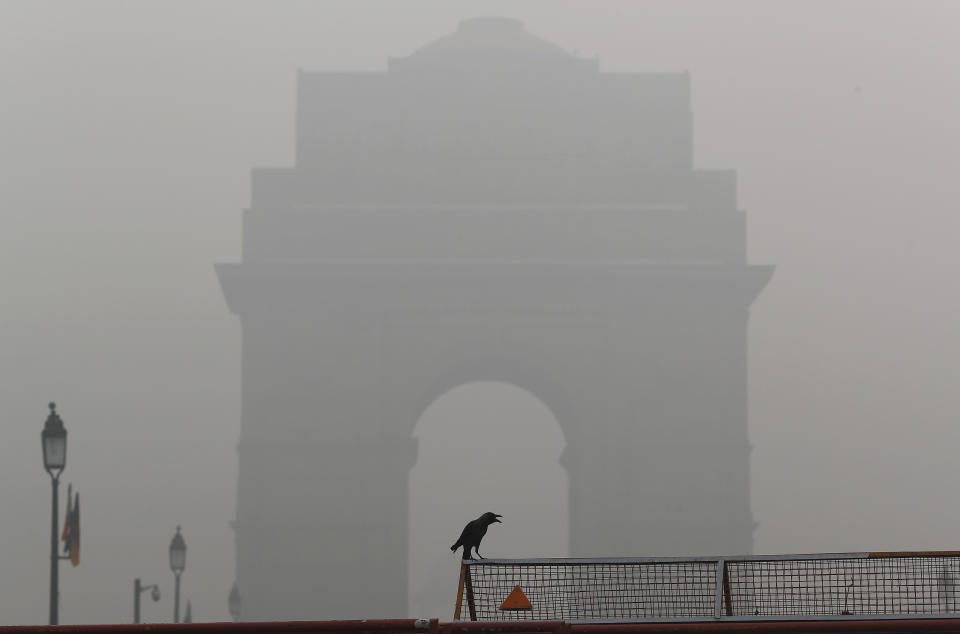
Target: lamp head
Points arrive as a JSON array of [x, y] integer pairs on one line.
[[178, 553], [53, 439]]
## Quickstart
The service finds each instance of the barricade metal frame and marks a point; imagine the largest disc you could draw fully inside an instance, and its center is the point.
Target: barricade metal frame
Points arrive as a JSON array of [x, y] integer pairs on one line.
[[690, 589]]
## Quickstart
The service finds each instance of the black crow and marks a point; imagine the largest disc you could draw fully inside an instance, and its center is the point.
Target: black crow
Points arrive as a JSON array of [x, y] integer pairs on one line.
[[473, 532]]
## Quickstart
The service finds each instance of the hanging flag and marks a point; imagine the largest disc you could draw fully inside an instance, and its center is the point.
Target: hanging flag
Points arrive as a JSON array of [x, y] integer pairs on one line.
[[75, 532], [67, 519]]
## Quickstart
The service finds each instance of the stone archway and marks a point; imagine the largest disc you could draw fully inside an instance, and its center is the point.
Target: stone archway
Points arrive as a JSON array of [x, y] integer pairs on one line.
[[483, 445], [426, 238]]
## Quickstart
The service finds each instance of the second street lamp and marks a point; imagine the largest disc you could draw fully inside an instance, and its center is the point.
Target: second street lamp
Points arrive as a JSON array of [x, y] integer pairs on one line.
[[178, 561], [138, 589], [53, 439]]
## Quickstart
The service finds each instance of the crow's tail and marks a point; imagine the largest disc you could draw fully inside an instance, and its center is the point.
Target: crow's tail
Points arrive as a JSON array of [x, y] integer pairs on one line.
[[455, 547]]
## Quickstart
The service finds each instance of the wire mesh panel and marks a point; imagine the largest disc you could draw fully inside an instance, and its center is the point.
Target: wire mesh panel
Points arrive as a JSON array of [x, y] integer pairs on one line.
[[832, 585], [575, 590], [873, 584]]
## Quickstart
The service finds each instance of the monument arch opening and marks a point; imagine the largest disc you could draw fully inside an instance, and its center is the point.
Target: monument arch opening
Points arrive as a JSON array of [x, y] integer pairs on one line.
[[483, 446]]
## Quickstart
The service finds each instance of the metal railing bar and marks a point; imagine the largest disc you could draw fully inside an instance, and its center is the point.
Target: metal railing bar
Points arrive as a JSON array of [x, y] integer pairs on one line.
[[579, 561]]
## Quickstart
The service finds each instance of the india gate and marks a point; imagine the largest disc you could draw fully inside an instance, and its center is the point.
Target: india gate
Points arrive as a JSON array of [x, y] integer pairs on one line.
[[488, 208]]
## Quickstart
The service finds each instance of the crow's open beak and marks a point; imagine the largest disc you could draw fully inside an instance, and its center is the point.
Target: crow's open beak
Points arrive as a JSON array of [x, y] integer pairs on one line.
[[498, 519]]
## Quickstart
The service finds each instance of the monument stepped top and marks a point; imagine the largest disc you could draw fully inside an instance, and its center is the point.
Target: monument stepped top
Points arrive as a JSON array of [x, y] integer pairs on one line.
[[486, 42]]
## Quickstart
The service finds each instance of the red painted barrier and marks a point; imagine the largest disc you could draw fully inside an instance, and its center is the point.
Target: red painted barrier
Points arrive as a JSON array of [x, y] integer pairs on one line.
[[433, 626]]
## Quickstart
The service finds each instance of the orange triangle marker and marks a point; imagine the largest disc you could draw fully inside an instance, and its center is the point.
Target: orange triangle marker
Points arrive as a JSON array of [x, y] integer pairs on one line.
[[516, 600]]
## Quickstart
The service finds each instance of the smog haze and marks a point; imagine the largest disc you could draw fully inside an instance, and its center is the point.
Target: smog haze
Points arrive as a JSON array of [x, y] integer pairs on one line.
[[130, 130]]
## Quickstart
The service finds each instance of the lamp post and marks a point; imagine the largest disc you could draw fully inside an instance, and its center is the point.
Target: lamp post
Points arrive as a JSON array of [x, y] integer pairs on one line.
[[53, 439], [139, 589], [234, 602], [178, 561]]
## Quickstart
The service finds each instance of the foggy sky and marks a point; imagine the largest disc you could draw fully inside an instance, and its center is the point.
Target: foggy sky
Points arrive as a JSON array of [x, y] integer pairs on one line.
[[127, 135]]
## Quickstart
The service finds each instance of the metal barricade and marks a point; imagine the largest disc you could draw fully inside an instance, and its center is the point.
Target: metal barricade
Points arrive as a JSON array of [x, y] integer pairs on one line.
[[704, 588]]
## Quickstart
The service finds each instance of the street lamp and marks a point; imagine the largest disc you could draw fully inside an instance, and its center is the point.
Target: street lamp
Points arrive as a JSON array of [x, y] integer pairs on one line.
[[234, 601], [53, 440], [139, 589], [178, 561]]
